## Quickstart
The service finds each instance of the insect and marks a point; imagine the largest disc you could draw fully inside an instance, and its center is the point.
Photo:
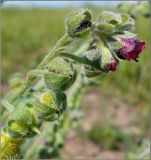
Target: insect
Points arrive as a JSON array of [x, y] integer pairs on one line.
[[83, 25]]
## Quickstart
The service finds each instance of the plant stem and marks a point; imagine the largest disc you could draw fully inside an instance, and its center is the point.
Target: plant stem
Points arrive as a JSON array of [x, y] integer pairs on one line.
[[65, 40], [82, 60]]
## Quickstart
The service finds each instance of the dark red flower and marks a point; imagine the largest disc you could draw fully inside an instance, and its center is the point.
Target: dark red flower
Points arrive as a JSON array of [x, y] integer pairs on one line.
[[131, 48], [111, 65]]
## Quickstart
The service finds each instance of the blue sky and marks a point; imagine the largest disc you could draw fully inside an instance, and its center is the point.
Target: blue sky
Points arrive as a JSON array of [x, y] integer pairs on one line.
[[58, 4]]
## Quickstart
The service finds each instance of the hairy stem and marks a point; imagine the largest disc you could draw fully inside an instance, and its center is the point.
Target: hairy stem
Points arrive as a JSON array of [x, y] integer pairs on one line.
[[65, 40], [82, 60]]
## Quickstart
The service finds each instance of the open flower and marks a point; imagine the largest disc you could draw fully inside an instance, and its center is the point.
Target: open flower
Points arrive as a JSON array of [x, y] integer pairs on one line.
[[131, 48]]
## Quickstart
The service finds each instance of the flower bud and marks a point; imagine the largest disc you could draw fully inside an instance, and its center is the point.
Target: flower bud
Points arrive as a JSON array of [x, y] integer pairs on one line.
[[107, 22], [92, 55], [50, 105], [23, 122], [78, 23], [111, 65], [127, 23], [10, 147], [16, 130], [60, 74], [102, 59], [131, 48], [107, 61]]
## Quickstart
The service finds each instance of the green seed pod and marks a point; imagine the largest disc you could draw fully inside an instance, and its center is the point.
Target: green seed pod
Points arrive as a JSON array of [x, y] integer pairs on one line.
[[23, 122], [10, 147], [60, 74], [50, 105], [107, 22], [78, 23]]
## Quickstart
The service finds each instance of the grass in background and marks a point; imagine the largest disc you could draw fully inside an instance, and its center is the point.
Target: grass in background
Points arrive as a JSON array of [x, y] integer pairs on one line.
[[27, 35], [108, 136]]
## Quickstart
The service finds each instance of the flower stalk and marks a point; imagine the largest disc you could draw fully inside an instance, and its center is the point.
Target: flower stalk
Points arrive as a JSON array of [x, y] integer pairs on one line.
[[31, 106]]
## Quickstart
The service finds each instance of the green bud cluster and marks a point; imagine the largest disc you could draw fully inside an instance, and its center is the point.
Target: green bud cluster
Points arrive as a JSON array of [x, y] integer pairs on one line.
[[48, 105], [51, 145], [109, 22]]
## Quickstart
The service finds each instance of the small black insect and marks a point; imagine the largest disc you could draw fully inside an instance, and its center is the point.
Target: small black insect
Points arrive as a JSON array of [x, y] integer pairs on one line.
[[83, 24]]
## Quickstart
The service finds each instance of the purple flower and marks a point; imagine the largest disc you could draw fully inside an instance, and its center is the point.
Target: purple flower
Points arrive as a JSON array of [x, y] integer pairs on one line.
[[111, 65], [131, 48]]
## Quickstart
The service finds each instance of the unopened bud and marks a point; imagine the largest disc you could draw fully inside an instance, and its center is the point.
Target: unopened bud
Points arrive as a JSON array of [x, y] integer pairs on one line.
[[107, 61], [21, 122], [49, 106], [107, 22], [127, 23], [60, 74], [78, 23]]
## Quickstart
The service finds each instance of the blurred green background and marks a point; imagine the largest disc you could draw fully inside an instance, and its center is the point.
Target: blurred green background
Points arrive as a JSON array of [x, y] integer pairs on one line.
[[28, 33]]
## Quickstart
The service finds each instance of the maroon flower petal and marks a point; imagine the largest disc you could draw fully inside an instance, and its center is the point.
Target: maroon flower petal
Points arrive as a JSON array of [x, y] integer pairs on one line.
[[131, 48], [111, 65]]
